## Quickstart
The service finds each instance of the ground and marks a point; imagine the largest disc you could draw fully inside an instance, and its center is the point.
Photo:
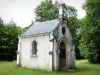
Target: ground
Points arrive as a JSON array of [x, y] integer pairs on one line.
[[83, 68]]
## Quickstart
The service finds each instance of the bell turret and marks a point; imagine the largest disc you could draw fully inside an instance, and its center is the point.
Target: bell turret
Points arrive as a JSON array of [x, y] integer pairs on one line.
[[62, 11]]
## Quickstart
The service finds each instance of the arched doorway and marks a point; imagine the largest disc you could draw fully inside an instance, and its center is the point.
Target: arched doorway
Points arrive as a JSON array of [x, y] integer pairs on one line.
[[62, 55]]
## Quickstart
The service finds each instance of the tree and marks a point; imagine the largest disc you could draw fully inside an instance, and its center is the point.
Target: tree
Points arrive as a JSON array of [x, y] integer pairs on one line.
[[1, 21], [46, 11], [1, 34], [73, 24], [82, 33], [49, 11], [90, 32], [71, 11], [9, 41]]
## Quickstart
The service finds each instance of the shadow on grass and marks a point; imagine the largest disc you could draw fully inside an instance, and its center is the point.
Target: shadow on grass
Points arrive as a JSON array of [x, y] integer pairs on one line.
[[77, 69]]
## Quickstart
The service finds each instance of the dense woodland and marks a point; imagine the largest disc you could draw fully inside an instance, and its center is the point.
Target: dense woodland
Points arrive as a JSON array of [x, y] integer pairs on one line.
[[9, 40], [85, 31]]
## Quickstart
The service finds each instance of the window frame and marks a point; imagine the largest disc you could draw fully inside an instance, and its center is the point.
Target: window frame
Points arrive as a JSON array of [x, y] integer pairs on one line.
[[34, 48]]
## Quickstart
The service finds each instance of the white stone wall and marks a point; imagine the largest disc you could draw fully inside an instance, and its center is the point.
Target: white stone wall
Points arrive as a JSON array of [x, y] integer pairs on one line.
[[70, 55], [43, 60]]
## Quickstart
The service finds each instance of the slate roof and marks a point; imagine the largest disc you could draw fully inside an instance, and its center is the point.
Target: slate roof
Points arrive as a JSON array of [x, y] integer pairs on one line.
[[42, 27]]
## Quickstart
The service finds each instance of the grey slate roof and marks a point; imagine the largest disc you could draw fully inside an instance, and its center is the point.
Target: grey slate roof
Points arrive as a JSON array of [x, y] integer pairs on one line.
[[42, 27]]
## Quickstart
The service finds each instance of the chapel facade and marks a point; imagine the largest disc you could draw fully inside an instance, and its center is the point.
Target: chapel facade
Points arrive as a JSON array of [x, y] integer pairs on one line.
[[47, 45]]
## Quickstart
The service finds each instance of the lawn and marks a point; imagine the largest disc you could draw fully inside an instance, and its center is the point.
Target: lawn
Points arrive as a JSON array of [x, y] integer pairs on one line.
[[83, 68]]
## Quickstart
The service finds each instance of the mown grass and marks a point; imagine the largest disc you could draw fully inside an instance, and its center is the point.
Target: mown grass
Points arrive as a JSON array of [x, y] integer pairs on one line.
[[83, 68]]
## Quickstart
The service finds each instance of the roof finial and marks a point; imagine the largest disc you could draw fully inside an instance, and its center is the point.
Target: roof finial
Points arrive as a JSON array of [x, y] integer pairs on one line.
[[62, 10], [32, 22]]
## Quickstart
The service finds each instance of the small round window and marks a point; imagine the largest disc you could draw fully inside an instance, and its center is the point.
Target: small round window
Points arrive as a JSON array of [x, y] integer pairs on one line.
[[63, 30]]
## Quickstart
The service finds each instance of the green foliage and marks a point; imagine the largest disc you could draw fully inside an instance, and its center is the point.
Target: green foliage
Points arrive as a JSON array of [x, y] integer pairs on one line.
[[90, 32], [1, 21], [1, 32], [72, 20], [9, 41], [49, 11], [73, 25], [46, 11], [71, 11], [82, 33]]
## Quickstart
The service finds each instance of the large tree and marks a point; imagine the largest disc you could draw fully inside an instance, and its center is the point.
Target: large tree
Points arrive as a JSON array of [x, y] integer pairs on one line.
[[9, 40], [90, 31], [49, 11], [1, 34], [46, 11]]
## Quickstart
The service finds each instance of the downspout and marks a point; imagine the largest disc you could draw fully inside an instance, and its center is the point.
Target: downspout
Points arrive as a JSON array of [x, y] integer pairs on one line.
[[53, 57], [20, 51]]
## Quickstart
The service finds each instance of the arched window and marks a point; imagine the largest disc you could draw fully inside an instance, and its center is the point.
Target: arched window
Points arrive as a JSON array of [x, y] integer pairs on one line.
[[34, 47], [63, 30]]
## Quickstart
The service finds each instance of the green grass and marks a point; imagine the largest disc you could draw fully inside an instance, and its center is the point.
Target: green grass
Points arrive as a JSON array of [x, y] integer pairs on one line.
[[83, 68]]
